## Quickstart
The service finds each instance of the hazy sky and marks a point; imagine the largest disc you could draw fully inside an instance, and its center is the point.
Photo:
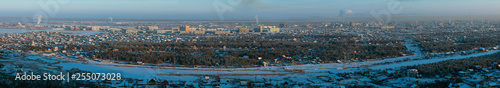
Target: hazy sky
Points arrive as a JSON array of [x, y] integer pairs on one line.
[[206, 9]]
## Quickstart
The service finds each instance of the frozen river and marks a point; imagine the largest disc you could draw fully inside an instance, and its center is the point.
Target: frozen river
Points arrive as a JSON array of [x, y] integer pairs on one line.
[[10, 31]]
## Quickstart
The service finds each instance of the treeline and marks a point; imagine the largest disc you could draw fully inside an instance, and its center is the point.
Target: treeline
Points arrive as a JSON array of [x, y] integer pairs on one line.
[[454, 66]]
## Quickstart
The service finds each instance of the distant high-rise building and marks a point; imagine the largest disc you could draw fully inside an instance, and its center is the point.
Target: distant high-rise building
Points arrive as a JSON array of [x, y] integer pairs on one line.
[[243, 30], [267, 29], [257, 30], [283, 26], [184, 28]]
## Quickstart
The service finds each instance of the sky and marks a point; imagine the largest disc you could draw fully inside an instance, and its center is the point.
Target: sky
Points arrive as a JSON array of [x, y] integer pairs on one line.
[[243, 9]]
